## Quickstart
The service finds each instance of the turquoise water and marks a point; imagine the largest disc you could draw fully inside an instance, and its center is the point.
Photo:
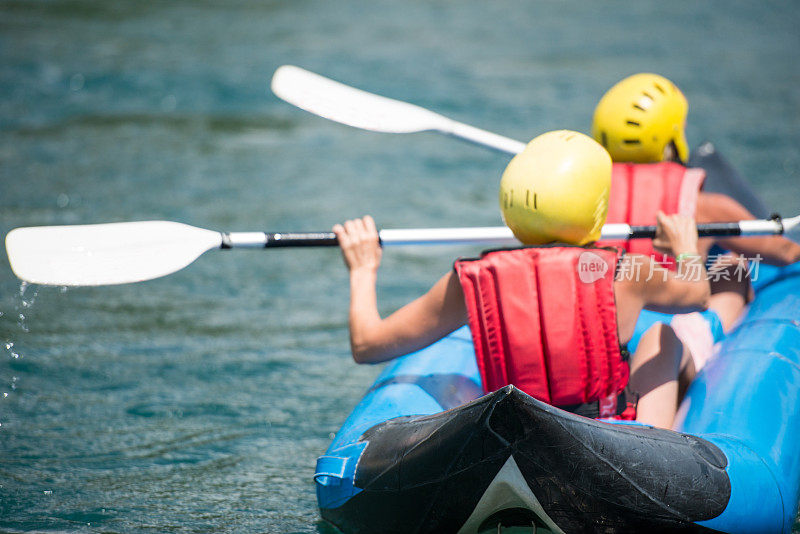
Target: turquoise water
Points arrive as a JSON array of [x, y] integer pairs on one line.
[[200, 401]]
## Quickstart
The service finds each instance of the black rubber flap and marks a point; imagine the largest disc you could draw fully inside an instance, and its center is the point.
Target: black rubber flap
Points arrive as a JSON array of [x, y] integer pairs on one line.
[[427, 474]]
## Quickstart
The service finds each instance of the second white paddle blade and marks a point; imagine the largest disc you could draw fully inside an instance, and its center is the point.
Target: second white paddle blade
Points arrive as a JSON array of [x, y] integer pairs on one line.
[[103, 254], [354, 107]]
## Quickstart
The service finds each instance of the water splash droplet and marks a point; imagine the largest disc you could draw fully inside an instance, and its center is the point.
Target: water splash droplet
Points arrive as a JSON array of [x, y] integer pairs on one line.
[[21, 323], [9, 348], [28, 302]]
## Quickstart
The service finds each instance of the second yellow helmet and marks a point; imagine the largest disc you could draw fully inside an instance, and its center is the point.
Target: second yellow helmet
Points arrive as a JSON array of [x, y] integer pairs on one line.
[[639, 117]]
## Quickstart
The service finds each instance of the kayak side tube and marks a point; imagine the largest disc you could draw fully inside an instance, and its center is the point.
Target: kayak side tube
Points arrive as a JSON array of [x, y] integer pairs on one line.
[[508, 459], [437, 378], [747, 402]]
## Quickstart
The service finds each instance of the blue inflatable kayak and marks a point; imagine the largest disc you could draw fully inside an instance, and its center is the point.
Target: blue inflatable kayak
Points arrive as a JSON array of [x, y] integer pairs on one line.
[[427, 451]]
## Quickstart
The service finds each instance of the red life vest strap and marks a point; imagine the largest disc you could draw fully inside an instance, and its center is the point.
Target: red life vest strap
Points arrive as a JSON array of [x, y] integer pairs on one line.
[[544, 319]]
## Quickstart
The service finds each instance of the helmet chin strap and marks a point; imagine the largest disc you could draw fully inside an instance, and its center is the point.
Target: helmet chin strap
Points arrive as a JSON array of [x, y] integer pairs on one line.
[[671, 153]]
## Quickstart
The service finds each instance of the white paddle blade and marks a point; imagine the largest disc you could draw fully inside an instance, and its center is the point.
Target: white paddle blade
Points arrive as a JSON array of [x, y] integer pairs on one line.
[[104, 254], [353, 107]]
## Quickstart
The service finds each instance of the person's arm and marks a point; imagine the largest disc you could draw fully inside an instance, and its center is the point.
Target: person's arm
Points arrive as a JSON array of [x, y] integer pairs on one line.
[[643, 283], [775, 250], [667, 292], [414, 326], [688, 289]]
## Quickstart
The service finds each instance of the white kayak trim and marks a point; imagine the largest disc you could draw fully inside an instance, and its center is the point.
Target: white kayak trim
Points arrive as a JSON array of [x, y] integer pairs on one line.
[[507, 490]]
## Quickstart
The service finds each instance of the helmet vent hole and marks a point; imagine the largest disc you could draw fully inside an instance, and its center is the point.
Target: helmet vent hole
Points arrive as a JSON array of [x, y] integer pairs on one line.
[[632, 141], [528, 197], [648, 95], [640, 108], [660, 89], [509, 201], [633, 123], [604, 139]]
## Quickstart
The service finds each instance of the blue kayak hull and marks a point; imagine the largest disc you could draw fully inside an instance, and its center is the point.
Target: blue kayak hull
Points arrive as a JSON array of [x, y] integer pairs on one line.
[[426, 451], [731, 467]]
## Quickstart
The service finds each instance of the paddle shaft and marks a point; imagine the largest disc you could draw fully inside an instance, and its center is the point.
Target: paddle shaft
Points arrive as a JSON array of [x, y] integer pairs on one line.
[[483, 138], [123, 253], [482, 235]]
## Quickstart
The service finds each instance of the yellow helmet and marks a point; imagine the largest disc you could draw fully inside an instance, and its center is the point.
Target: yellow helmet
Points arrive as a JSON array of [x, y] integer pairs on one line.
[[638, 117], [556, 190]]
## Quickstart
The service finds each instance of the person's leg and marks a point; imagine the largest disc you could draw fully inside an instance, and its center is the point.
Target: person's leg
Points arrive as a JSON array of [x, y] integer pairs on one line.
[[686, 374], [655, 367], [698, 332], [730, 291]]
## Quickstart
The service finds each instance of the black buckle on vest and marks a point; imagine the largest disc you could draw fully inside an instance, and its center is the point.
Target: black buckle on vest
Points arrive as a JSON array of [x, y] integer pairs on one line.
[[592, 409]]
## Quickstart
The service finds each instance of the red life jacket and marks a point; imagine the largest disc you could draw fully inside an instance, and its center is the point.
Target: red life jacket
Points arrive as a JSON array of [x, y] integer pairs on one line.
[[544, 319], [639, 190]]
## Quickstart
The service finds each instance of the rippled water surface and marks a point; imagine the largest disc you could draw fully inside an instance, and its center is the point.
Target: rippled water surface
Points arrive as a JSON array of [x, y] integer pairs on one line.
[[200, 401]]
